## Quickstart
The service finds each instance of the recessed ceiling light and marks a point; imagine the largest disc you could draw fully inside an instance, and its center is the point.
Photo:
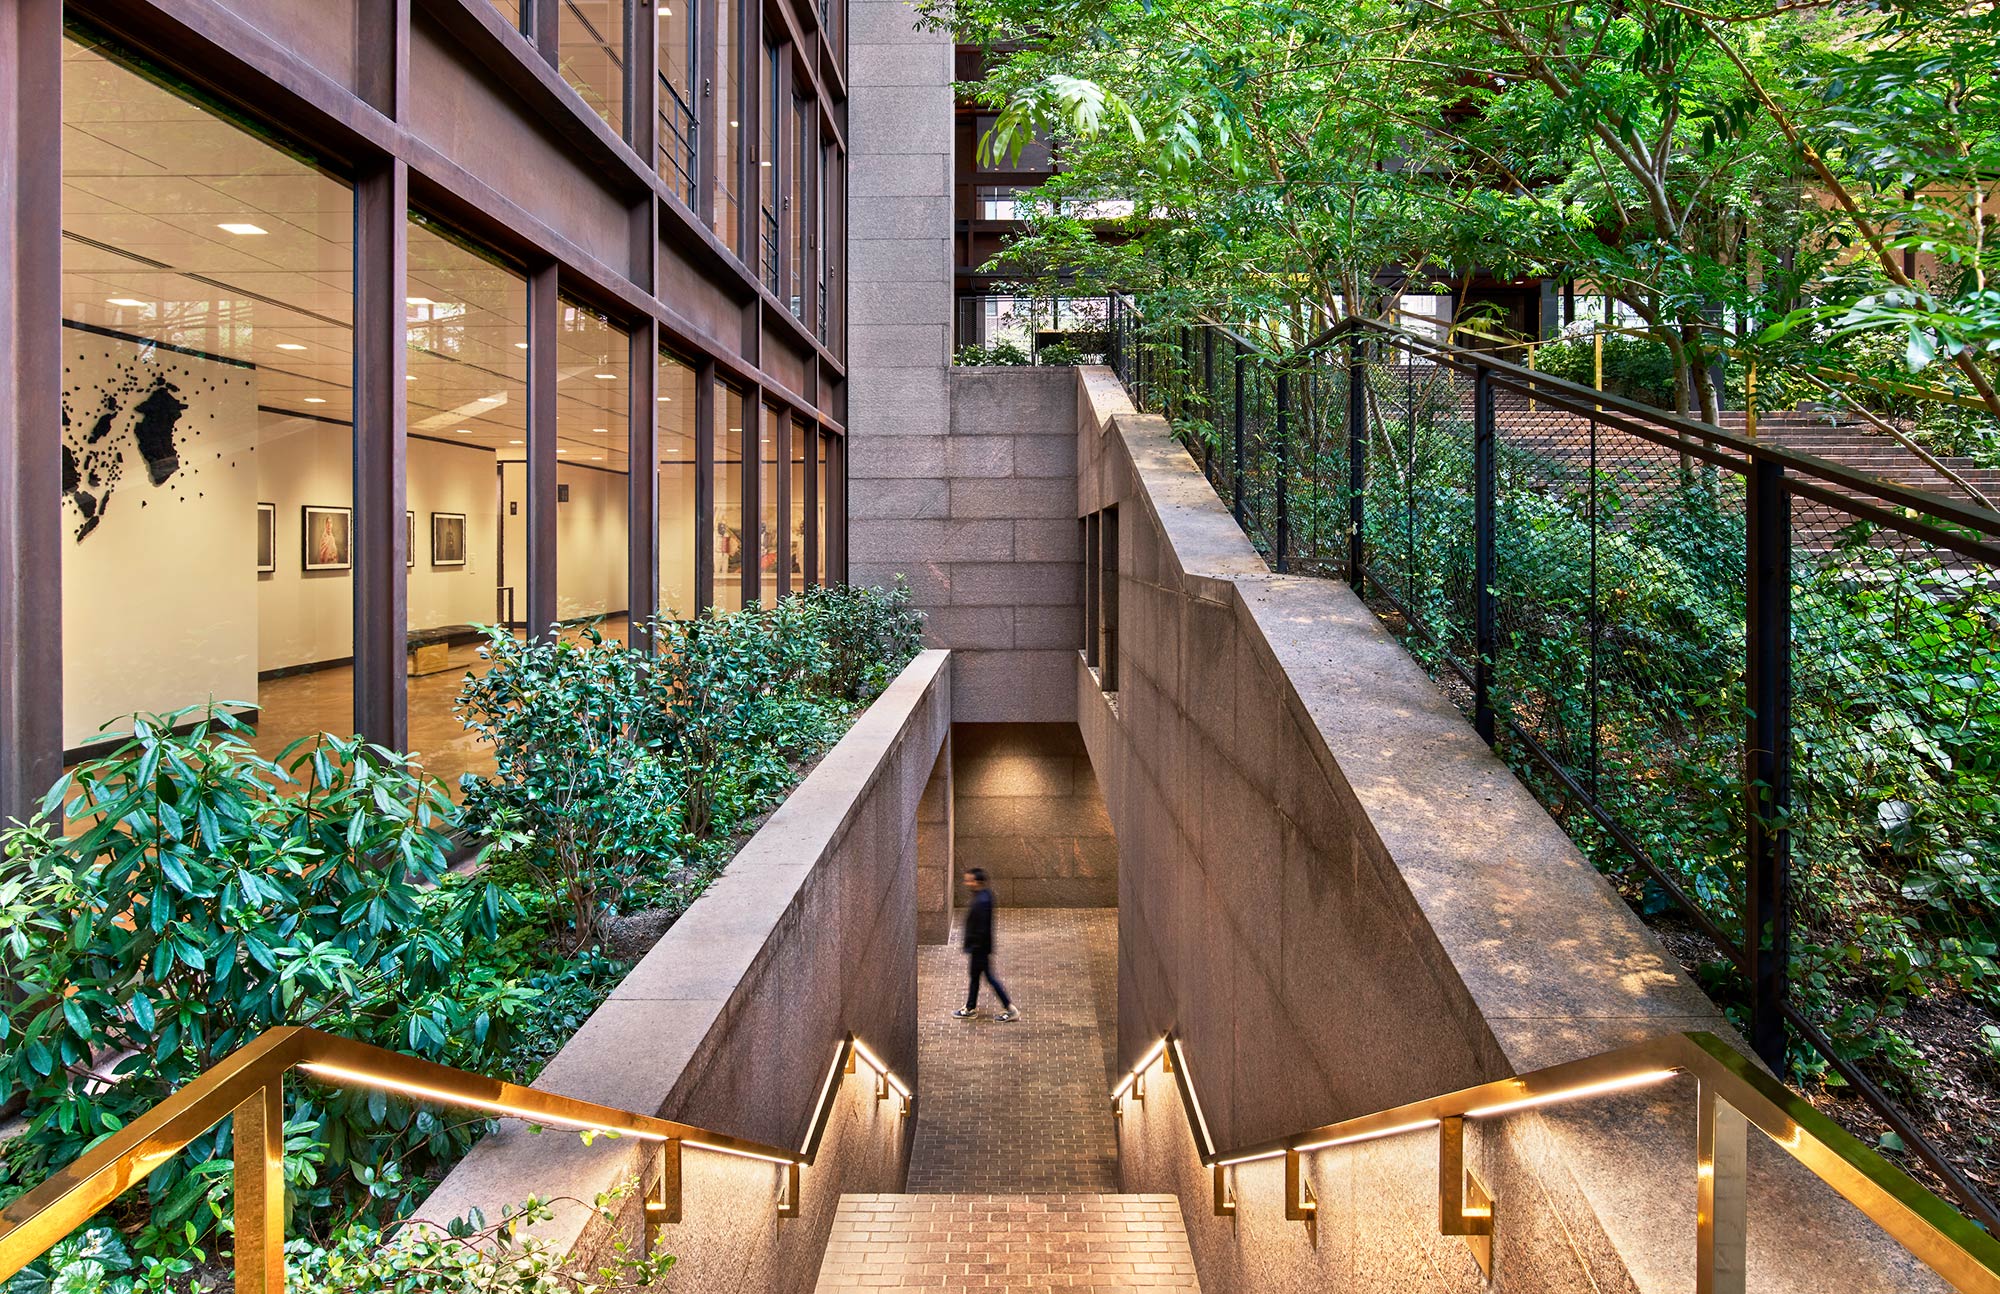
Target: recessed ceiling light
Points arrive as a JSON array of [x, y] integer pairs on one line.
[[666, 399], [597, 458], [520, 345], [732, 123], [290, 345], [409, 377], [465, 431], [600, 431], [513, 442], [561, 450], [418, 301], [313, 399], [491, 399], [763, 163], [240, 227], [607, 377], [126, 301]]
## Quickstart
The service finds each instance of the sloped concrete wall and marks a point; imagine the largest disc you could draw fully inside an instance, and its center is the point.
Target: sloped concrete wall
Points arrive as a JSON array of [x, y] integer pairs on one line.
[[732, 1020], [1342, 901], [1028, 810]]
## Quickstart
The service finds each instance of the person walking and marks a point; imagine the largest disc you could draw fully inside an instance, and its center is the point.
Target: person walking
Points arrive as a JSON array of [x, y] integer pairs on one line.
[[979, 948]]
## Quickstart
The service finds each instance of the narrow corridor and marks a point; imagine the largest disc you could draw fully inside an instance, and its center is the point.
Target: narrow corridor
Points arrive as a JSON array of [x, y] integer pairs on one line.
[[1015, 1167]]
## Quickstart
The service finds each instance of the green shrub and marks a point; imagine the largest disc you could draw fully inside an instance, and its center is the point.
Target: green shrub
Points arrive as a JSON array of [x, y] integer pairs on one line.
[[1637, 368], [1059, 353], [1002, 353], [871, 634], [179, 896]]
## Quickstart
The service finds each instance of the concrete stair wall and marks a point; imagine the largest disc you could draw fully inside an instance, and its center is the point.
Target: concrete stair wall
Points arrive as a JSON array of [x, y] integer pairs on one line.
[[952, 1243]]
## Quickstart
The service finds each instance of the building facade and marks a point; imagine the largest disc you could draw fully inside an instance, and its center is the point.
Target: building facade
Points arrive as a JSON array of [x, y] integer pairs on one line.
[[333, 330]]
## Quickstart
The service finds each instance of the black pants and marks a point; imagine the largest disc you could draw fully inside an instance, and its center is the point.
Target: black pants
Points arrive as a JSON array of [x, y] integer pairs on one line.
[[982, 964]]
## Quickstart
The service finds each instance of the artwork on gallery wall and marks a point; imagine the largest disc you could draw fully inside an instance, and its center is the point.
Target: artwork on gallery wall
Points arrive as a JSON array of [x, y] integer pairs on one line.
[[329, 538], [267, 538], [409, 540], [447, 539]]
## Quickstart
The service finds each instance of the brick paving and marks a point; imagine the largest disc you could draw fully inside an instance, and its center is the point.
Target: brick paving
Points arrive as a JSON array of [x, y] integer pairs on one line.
[[952, 1243], [1021, 1108]]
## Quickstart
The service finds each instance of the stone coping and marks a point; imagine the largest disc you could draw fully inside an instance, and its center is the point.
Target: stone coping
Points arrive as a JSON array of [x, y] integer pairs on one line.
[[673, 1017]]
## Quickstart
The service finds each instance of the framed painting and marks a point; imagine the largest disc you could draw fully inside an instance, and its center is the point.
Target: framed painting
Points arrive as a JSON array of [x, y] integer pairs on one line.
[[447, 539], [329, 538], [267, 538], [409, 540]]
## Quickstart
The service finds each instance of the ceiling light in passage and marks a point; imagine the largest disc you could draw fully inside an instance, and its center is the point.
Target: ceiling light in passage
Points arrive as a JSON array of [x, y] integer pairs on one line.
[[241, 228], [313, 399], [418, 301], [607, 377], [126, 301], [763, 163], [666, 399], [732, 125], [290, 345], [465, 431], [520, 345], [513, 442], [409, 377], [561, 449]]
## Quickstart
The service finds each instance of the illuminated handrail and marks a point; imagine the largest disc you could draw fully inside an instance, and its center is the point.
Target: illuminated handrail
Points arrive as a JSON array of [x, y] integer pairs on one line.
[[249, 1084], [1733, 1094]]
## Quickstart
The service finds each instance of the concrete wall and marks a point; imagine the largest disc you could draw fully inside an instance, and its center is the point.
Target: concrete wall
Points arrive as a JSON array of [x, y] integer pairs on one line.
[[730, 1022], [1342, 901], [1028, 809], [979, 514]]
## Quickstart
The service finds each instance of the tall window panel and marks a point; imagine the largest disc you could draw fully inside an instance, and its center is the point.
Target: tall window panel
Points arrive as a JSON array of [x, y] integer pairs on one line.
[[593, 466], [207, 541], [795, 524], [728, 105], [727, 540], [832, 200], [678, 516], [795, 203], [591, 54], [770, 521], [680, 96], [769, 222], [466, 324], [825, 450]]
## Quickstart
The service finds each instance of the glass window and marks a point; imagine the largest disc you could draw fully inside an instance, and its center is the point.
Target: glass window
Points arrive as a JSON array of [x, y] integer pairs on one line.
[[511, 10], [728, 547], [795, 528], [729, 139], [207, 540], [825, 448], [591, 55], [678, 518], [680, 131], [593, 486], [795, 205], [767, 170], [769, 518], [466, 323]]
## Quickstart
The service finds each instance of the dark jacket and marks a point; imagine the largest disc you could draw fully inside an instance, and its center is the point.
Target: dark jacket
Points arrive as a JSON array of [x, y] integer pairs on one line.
[[979, 922]]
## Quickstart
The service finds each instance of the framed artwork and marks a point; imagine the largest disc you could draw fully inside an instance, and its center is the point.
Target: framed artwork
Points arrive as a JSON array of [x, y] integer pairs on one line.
[[267, 538], [447, 539], [329, 534], [409, 540]]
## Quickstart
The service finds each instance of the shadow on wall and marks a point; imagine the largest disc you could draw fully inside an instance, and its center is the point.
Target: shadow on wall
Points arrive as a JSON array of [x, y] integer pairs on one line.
[[1027, 808]]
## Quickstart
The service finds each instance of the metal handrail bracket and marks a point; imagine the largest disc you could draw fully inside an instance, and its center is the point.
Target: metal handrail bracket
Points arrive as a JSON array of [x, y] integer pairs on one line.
[[1734, 1094], [249, 1084]]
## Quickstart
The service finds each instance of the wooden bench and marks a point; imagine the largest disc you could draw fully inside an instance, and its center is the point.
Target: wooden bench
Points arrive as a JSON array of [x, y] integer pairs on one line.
[[430, 649]]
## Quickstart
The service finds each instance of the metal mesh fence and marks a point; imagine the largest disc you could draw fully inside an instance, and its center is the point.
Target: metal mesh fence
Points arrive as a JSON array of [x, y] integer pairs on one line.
[[1611, 595]]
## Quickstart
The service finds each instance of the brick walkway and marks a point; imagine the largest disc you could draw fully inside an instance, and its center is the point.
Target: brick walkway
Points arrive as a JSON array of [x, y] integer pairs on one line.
[[952, 1243], [1022, 1107]]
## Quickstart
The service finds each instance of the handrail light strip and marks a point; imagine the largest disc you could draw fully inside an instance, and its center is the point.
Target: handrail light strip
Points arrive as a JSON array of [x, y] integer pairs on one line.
[[1379, 1133], [825, 1091], [740, 1154], [1145, 1063], [1575, 1093], [875, 1063], [1201, 1119], [340, 1073]]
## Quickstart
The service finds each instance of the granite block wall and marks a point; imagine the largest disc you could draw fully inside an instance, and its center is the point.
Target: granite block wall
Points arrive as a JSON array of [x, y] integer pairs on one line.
[[1340, 900], [1027, 808]]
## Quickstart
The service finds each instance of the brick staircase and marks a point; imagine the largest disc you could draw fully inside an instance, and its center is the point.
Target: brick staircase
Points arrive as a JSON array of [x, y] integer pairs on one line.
[[952, 1243], [1859, 446]]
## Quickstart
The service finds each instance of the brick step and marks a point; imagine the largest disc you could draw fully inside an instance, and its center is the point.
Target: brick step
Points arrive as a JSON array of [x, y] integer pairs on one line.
[[950, 1243]]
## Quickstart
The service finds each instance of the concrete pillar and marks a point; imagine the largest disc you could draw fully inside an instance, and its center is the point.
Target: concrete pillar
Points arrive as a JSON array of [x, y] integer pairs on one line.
[[936, 874]]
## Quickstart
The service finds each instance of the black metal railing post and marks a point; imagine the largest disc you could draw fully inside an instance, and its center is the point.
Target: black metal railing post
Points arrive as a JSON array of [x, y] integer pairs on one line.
[[1236, 494], [1768, 756], [1485, 621], [1357, 460], [1281, 542]]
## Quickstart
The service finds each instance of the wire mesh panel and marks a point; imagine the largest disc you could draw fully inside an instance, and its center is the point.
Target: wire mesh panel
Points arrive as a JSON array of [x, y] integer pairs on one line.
[[1420, 501], [1317, 490]]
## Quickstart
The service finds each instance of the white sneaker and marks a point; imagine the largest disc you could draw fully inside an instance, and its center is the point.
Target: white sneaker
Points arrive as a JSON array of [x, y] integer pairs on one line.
[[965, 1013], [1010, 1014]]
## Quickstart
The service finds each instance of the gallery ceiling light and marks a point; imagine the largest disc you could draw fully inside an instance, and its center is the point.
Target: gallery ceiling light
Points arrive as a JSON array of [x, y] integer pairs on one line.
[[520, 345], [418, 301], [666, 399], [126, 301], [607, 377], [465, 431], [513, 442], [241, 228], [290, 345], [313, 399]]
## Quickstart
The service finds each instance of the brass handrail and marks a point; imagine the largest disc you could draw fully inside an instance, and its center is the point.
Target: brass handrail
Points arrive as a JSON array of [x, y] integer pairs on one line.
[[1733, 1094], [249, 1084]]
